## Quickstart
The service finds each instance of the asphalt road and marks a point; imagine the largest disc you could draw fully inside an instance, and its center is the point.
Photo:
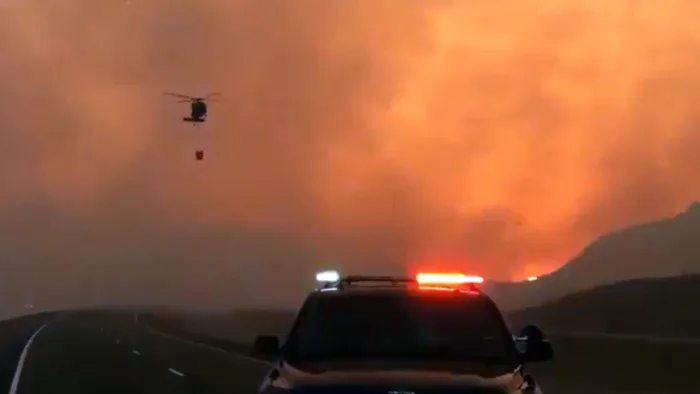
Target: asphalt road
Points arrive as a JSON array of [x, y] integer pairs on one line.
[[14, 334], [113, 353]]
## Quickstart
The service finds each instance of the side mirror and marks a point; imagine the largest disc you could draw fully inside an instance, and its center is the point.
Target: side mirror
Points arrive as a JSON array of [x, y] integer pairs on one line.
[[533, 345], [266, 345]]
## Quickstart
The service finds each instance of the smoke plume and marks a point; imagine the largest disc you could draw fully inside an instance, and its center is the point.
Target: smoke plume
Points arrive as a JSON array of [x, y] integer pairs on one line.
[[497, 137]]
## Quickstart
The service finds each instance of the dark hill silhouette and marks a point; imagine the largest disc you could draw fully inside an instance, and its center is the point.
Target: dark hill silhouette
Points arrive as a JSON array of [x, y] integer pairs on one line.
[[660, 307], [663, 248]]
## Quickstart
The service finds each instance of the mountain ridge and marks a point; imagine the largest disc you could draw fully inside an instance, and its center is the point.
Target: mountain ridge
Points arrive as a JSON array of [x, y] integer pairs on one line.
[[659, 248], [649, 306]]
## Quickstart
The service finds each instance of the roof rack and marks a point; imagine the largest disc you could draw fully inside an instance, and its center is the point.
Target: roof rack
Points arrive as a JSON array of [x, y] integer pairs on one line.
[[384, 280]]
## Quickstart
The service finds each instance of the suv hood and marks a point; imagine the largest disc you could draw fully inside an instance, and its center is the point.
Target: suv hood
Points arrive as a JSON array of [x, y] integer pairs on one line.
[[347, 377]]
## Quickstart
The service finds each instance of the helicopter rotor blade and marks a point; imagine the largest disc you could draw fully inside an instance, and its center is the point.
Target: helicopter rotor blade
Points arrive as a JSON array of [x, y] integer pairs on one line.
[[182, 96], [210, 95]]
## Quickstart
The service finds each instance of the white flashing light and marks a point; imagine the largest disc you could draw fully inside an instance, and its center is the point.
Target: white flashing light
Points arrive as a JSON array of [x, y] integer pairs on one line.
[[327, 276], [532, 279], [447, 278]]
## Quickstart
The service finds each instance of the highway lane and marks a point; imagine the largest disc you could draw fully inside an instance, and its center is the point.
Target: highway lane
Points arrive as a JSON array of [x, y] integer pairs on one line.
[[112, 353]]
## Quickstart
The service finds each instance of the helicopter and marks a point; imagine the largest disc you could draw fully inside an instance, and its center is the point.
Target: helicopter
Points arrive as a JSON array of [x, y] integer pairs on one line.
[[198, 112], [198, 106]]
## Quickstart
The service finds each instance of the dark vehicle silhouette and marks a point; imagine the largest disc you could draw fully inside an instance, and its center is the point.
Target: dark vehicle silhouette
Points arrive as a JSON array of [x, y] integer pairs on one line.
[[388, 335]]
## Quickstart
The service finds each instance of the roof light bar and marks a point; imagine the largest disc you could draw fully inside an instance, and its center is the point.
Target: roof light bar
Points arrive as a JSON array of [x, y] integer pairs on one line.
[[327, 276], [447, 278]]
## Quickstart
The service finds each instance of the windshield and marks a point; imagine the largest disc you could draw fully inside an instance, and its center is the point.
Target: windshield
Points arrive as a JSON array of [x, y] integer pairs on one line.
[[415, 325]]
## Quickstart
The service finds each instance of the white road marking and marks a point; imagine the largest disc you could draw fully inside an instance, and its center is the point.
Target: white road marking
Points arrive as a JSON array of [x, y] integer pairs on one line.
[[201, 345], [178, 373], [22, 359], [136, 352]]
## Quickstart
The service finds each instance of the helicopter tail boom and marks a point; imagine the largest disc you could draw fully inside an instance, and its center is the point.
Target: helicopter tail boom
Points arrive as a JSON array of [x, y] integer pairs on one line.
[[193, 120]]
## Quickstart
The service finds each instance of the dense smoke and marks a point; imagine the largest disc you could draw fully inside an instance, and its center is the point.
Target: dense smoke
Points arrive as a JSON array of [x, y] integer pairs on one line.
[[495, 136]]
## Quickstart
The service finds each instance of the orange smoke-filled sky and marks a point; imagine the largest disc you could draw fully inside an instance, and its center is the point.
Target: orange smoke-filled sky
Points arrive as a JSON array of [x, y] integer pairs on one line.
[[373, 134]]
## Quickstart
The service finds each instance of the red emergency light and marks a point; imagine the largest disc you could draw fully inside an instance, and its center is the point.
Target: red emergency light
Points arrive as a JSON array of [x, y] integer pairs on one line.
[[447, 278]]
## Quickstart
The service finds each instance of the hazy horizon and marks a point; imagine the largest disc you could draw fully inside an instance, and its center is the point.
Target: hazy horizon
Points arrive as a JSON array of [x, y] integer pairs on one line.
[[497, 138]]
